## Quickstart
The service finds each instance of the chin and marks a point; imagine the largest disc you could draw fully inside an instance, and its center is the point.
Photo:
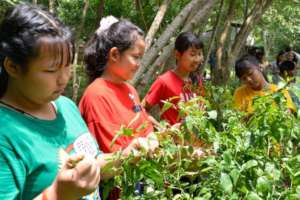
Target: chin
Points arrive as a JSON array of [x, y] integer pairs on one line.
[[256, 88]]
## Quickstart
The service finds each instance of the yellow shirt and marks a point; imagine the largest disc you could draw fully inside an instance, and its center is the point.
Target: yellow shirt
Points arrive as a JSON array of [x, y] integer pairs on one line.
[[243, 97]]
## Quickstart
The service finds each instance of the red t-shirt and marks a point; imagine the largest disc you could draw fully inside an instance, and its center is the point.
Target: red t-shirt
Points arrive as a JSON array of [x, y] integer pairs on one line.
[[106, 106], [170, 86]]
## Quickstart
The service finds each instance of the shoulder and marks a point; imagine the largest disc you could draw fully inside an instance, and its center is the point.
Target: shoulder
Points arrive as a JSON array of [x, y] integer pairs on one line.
[[273, 87], [96, 88], [240, 90], [164, 78]]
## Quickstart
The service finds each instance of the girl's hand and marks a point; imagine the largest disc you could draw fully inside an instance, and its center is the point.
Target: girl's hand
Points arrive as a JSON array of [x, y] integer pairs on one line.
[[148, 144], [80, 176]]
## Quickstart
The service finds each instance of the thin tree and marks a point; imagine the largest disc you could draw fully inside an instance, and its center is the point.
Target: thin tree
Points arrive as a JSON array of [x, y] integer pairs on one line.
[[139, 8], [221, 43], [52, 6], [100, 12], [76, 83], [156, 23], [213, 36]]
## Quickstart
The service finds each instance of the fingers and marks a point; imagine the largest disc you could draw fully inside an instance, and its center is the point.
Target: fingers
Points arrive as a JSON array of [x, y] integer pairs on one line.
[[88, 175], [73, 160]]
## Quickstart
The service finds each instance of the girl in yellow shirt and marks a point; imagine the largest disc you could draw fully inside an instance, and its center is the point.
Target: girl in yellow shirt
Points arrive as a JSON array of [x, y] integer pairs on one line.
[[254, 84]]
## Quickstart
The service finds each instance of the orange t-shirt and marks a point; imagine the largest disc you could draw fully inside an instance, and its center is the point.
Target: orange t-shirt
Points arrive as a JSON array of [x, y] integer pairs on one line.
[[243, 97], [106, 106]]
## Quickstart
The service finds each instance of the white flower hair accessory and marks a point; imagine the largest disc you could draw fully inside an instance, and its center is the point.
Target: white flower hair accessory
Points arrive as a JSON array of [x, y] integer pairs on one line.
[[105, 23]]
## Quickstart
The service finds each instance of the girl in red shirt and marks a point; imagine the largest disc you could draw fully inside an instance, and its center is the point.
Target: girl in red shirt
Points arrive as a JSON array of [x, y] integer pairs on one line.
[[180, 81], [110, 104]]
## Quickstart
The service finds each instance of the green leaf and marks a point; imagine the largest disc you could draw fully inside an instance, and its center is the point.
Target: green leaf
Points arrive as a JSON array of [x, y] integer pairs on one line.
[[234, 174], [253, 196], [212, 114], [226, 183], [263, 184], [127, 132], [167, 105], [249, 164]]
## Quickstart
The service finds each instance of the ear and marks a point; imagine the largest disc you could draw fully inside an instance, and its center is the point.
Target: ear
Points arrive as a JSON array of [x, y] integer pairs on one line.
[[114, 54], [11, 68], [177, 55]]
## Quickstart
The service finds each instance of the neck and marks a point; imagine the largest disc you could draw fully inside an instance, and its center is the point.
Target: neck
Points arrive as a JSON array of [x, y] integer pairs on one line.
[[184, 75], [111, 77], [16, 99]]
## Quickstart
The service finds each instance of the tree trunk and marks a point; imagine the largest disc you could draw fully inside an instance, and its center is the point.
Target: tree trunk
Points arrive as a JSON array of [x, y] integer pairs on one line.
[[220, 73], [100, 12], [156, 23], [255, 15], [34, 2], [75, 85], [52, 6], [152, 53], [166, 52], [246, 2], [212, 39]]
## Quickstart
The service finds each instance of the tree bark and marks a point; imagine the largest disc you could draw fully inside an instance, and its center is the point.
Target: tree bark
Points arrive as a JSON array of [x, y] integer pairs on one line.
[[156, 23], [167, 50], [75, 83], [219, 73], [152, 53], [255, 15], [100, 12], [213, 36], [52, 6], [34, 2]]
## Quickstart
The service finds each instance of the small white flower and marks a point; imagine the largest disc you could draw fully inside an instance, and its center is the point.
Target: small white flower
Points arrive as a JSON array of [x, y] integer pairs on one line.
[[105, 23]]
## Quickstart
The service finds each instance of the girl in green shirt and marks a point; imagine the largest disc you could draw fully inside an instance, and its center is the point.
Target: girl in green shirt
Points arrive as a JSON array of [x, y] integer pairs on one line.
[[46, 151]]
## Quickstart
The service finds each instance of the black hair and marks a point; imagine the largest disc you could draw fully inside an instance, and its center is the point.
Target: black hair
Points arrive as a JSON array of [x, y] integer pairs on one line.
[[27, 30], [185, 40], [286, 66], [258, 52], [121, 34], [281, 53], [244, 64]]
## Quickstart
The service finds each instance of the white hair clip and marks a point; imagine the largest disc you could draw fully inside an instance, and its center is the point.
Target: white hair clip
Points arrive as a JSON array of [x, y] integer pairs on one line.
[[105, 23]]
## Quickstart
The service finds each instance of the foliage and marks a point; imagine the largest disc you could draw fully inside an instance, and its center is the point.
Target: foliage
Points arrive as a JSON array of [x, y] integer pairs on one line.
[[252, 156]]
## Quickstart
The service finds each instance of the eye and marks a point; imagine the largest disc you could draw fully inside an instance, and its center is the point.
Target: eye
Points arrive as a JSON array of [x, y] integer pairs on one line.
[[51, 70]]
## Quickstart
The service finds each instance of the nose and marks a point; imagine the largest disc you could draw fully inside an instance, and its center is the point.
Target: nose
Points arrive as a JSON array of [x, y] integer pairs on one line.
[[200, 59]]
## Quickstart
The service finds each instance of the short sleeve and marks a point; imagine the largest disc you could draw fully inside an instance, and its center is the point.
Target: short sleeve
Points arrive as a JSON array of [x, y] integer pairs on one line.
[[154, 95], [12, 174]]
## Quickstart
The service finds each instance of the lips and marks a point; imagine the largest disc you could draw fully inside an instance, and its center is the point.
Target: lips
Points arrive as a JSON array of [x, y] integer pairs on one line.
[[59, 91]]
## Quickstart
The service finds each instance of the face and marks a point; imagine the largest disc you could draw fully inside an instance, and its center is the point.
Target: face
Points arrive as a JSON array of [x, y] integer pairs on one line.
[[44, 80], [290, 56], [190, 59], [254, 79], [128, 62]]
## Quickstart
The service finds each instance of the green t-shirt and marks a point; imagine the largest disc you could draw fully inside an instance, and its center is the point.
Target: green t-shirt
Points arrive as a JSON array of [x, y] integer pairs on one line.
[[29, 147]]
